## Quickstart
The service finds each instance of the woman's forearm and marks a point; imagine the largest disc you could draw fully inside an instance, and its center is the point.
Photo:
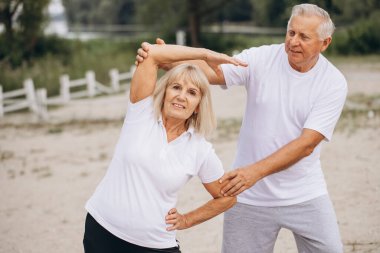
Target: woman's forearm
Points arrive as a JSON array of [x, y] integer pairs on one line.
[[162, 54], [209, 210]]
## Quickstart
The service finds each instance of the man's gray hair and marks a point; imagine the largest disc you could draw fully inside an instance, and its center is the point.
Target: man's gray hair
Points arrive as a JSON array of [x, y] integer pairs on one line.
[[326, 28]]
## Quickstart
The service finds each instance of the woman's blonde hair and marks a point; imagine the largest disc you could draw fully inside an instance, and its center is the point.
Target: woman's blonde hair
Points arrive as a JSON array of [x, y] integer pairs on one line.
[[203, 121]]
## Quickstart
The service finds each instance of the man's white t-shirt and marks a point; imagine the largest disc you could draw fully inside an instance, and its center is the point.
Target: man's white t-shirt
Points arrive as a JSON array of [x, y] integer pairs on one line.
[[145, 175], [281, 102]]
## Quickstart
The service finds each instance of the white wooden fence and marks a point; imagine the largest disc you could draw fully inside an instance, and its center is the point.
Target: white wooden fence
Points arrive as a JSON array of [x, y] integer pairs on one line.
[[38, 102]]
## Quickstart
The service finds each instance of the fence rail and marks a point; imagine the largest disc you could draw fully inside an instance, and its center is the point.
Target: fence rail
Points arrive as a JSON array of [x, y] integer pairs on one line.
[[37, 101]]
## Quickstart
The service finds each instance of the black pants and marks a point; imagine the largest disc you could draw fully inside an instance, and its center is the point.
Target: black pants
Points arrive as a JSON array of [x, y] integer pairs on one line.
[[98, 240]]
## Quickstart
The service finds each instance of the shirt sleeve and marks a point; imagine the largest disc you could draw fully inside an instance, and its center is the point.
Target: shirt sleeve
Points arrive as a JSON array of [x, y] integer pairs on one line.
[[211, 169], [326, 111], [236, 75], [140, 110]]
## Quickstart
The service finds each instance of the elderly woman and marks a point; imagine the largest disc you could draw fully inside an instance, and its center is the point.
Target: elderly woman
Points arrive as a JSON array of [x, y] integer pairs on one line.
[[161, 147]]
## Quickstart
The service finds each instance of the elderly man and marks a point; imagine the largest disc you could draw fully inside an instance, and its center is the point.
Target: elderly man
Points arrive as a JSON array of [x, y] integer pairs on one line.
[[294, 99]]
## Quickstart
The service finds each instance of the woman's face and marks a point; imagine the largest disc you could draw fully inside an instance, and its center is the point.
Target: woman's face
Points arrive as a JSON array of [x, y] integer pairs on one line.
[[181, 99]]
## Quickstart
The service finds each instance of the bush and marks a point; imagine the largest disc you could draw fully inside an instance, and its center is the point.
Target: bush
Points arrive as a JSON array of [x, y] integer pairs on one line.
[[55, 57], [362, 38]]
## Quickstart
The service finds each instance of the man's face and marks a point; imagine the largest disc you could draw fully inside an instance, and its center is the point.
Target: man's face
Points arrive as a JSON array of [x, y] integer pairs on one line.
[[302, 42]]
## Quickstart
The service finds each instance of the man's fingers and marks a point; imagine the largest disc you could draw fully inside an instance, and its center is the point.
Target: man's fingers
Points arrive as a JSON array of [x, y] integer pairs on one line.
[[228, 176], [235, 189], [240, 63], [239, 191], [234, 182]]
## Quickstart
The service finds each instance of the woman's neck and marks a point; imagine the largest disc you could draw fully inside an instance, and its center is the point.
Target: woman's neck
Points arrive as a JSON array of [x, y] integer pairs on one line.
[[173, 127]]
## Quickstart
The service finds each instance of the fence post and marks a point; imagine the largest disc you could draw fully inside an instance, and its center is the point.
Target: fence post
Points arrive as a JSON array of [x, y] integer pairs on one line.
[[1, 102], [132, 70], [180, 36], [64, 81], [42, 103], [91, 83], [30, 95], [114, 75]]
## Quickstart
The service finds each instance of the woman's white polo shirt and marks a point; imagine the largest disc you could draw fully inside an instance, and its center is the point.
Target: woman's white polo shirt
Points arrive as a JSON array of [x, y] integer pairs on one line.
[[145, 175]]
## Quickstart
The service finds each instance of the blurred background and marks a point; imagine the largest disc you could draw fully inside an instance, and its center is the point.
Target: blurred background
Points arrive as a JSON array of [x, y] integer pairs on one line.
[[42, 39]]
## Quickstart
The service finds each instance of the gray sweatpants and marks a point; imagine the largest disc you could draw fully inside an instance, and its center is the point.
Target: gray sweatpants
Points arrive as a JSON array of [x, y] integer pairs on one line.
[[253, 229]]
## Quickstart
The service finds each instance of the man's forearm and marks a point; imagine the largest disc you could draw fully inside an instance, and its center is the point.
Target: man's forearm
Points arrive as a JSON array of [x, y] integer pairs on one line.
[[282, 159], [245, 177]]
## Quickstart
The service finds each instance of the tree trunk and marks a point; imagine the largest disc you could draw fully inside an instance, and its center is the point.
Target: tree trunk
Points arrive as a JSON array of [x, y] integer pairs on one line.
[[194, 22], [6, 17]]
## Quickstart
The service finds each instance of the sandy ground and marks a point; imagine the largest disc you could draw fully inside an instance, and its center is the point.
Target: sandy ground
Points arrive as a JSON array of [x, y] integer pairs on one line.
[[48, 171]]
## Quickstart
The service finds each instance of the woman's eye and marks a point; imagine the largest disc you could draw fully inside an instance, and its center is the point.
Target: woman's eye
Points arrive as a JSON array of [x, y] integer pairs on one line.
[[176, 87], [193, 92]]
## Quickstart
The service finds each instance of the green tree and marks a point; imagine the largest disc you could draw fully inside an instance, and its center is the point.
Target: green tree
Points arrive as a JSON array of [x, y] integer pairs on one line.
[[169, 15], [269, 13], [94, 12], [23, 21]]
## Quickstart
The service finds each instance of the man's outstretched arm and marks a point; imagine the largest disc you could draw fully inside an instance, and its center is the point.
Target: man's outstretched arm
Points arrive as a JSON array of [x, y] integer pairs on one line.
[[214, 73]]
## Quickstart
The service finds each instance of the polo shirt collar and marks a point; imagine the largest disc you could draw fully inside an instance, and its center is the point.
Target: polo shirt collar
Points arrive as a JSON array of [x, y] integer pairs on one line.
[[190, 131]]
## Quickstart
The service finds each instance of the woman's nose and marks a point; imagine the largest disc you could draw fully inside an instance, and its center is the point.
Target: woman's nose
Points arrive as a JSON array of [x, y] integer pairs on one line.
[[182, 95]]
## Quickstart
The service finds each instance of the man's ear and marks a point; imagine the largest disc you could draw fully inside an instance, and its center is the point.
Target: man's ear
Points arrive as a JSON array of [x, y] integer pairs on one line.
[[326, 42]]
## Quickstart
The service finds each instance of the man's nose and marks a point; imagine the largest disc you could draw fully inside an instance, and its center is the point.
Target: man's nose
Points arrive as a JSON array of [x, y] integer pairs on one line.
[[294, 41]]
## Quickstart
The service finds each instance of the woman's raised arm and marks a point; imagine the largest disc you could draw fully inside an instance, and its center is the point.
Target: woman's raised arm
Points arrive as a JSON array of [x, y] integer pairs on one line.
[[145, 76]]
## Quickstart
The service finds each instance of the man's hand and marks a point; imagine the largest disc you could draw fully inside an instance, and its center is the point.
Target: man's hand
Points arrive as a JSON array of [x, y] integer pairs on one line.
[[215, 59], [240, 180], [177, 220], [142, 52]]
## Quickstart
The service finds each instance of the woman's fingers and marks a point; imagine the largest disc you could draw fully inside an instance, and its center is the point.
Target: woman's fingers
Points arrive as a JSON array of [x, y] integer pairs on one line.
[[177, 220], [142, 53], [173, 219], [160, 41]]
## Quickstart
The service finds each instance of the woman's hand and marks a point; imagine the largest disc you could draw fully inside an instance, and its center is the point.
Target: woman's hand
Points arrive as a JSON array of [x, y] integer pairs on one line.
[[177, 220], [142, 52]]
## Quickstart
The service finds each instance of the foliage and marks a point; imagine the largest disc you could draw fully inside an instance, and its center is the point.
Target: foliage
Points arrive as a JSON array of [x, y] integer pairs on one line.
[[100, 11], [23, 21], [362, 38], [269, 13], [98, 55]]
